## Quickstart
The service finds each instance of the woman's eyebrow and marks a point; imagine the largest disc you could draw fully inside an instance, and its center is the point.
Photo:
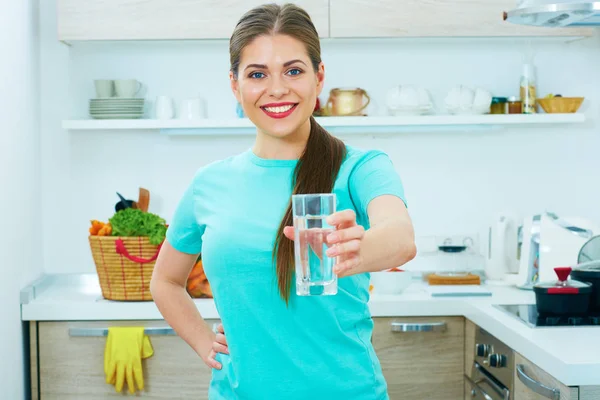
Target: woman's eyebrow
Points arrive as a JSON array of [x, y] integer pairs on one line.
[[287, 63], [263, 66]]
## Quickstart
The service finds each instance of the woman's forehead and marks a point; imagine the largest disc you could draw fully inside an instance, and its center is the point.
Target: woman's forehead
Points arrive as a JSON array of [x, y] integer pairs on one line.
[[274, 50]]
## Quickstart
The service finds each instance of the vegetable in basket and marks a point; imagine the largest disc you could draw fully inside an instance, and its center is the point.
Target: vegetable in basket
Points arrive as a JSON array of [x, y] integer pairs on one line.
[[135, 222]]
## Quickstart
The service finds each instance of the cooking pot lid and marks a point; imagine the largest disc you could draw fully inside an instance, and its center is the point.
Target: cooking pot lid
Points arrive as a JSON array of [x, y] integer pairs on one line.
[[563, 285], [589, 269]]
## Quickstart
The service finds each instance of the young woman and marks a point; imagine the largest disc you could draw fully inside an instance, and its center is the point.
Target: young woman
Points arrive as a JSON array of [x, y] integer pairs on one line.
[[237, 213]]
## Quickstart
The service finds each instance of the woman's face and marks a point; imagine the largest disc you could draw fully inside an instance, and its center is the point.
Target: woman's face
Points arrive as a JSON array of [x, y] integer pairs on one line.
[[277, 85]]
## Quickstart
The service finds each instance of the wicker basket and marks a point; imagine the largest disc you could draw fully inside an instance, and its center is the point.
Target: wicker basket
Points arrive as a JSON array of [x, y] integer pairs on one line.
[[559, 105], [124, 266]]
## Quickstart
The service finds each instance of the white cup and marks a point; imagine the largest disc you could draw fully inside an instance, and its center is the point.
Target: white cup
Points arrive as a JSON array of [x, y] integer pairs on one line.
[[164, 108], [127, 87], [104, 88], [192, 109]]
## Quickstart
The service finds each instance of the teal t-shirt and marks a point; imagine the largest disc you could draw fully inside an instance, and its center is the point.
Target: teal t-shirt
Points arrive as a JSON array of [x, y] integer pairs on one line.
[[318, 347]]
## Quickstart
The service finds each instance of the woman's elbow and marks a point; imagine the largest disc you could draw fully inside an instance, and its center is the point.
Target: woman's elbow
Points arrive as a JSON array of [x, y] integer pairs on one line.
[[411, 251], [407, 250]]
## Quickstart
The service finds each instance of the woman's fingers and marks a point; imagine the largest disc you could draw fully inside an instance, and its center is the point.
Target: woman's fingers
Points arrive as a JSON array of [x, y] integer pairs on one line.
[[211, 362], [288, 231], [342, 217], [221, 339], [343, 235], [220, 348], [220, 328], [345, 266], [344, 249]]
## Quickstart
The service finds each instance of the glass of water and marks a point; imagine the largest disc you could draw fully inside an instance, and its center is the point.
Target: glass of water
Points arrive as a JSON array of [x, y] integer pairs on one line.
[[314, 269]]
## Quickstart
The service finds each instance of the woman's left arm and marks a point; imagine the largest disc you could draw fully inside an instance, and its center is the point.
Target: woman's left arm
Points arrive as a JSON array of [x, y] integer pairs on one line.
[[388, 243]]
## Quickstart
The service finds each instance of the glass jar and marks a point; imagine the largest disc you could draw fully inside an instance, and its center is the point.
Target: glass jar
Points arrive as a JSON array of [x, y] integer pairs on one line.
[[499, 105], [514, 105]]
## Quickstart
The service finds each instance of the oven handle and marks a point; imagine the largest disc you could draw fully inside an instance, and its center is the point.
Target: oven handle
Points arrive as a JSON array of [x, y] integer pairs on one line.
[[537, 387], [476, 387], [500, 390]]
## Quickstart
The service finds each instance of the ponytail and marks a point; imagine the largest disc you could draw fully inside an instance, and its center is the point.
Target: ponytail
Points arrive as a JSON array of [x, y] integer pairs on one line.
[[315, 172]]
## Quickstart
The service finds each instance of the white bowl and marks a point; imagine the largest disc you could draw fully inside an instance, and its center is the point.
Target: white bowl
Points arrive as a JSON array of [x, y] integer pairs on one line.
[[386, 282], [463, 99]]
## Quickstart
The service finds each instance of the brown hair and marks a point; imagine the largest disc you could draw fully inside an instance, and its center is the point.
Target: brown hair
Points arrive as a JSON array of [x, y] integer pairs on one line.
[[320, 162]]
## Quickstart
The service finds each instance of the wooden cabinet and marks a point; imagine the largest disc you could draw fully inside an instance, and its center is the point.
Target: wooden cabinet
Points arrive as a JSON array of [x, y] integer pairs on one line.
[[430, 18], [421, 357], [164, 19], [215, 19], [70, 366], [533, 383]]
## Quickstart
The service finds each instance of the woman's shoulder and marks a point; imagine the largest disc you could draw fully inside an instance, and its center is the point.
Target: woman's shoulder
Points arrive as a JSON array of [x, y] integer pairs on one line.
[[355, 156], [219, 167]]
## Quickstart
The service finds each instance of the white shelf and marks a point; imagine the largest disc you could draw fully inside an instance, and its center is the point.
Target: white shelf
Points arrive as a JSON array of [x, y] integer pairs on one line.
[[348, 125]]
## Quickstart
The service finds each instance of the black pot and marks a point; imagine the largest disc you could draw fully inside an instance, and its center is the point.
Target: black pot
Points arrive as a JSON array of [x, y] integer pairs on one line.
[[590, 273], [564, 296]]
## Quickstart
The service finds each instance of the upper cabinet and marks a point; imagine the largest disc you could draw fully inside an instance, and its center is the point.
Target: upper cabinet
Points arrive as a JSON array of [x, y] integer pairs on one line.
[[164, 19], [431, 18], [216, 19]]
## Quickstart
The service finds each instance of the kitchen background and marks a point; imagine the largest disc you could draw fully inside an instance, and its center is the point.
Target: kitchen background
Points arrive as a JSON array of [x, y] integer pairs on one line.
[[55, 181], [456, 181]]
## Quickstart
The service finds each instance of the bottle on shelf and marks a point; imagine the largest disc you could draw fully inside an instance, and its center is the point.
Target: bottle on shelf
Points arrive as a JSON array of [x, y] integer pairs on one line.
[[527, 90]]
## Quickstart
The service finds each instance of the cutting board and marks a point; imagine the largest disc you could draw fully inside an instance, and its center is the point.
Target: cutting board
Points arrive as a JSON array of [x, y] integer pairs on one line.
[[458, 291]]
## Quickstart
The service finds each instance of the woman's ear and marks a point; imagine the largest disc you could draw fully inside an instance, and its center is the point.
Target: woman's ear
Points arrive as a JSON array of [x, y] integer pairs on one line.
[[235, 86], [320, 78]]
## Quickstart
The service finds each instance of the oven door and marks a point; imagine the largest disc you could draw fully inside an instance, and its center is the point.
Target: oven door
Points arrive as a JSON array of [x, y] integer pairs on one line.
[[482, 386]]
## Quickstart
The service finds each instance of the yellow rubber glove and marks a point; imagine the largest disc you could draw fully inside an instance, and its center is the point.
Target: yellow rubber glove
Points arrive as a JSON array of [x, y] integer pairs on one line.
[[123, 354]]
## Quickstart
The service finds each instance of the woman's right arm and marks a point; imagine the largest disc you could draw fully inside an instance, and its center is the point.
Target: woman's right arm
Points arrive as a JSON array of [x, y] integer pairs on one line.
[[168, 288]]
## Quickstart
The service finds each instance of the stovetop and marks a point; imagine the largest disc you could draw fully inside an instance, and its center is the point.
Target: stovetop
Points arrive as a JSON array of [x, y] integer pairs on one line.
[[528, 314]]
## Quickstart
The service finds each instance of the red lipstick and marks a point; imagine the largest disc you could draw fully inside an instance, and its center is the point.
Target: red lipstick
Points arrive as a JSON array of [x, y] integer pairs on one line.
[[279, 110]]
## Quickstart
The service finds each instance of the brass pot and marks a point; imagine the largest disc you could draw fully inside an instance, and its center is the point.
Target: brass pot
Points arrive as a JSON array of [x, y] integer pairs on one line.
[[345, 102]]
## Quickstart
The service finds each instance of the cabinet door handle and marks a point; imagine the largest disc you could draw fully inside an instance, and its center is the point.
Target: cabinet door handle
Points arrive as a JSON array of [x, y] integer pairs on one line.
[[537, 387], [151, 331], [418, 327]]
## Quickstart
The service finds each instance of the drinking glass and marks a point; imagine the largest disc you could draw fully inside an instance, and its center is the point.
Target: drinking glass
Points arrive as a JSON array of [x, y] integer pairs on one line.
[[314, 269]]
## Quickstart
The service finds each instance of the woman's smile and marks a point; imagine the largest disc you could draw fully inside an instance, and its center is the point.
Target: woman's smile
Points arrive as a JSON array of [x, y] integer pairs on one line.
[[279, 110]]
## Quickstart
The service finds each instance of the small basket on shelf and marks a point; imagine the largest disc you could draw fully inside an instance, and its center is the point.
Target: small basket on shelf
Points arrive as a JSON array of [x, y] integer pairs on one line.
[[560, 105], [124, 263]]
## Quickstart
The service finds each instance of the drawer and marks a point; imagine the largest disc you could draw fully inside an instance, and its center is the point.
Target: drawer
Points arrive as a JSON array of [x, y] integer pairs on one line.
[[421, 357], [71, 362]]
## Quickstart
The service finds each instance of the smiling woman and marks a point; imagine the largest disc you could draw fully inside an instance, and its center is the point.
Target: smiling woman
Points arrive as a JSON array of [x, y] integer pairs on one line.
[[273, 342]]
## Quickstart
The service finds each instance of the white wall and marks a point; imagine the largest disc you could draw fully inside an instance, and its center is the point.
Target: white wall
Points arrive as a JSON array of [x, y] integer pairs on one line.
[[20, 240], [455, 181]]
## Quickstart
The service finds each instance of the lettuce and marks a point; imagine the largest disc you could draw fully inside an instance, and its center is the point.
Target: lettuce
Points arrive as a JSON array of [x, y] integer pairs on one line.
[[135, 222]]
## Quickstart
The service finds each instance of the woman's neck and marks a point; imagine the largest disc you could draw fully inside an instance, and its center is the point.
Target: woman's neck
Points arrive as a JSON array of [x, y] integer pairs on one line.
[[289, 147]]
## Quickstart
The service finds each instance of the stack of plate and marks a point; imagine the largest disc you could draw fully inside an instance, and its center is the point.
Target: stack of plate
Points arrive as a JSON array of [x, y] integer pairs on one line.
[[117, 108]]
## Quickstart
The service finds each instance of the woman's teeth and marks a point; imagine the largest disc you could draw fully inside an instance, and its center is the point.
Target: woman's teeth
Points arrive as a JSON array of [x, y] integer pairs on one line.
[[280, 109]]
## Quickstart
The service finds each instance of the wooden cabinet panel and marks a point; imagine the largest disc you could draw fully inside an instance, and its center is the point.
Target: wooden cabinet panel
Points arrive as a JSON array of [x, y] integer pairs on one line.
[[164, 19], [72, 367], [422, 365], [470, 329], [538, 377], [431, 18]]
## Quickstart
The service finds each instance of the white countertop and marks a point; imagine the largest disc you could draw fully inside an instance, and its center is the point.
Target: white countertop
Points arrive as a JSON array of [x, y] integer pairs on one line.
[[570, 354]]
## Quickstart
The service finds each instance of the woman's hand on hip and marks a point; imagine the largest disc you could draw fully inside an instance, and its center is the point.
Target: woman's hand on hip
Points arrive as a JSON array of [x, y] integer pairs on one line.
[[344, 242], [218, 346]]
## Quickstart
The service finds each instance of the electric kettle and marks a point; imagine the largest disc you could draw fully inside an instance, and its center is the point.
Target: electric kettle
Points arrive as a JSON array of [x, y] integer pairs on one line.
[[503, 247]]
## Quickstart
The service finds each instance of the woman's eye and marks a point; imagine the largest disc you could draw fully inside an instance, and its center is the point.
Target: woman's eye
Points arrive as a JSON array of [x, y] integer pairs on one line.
[[294, 71], [256, 75]]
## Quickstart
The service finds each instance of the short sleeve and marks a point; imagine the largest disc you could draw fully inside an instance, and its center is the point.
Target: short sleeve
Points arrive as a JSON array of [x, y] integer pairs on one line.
[[184, 232], [374, 176]]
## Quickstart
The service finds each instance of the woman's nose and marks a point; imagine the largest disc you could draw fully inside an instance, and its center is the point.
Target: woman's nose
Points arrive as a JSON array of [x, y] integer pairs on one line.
[[277, 87]]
